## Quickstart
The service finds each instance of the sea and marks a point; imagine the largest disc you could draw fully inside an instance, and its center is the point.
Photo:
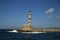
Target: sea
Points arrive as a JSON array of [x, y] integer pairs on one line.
[[4, 35]]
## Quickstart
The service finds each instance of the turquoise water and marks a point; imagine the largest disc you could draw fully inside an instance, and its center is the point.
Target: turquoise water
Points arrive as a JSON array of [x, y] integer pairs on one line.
[[21, 36]]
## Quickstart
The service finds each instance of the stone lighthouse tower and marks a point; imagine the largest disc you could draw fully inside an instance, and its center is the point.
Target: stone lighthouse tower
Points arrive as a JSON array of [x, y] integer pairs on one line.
[[28, 26], [30, 18]]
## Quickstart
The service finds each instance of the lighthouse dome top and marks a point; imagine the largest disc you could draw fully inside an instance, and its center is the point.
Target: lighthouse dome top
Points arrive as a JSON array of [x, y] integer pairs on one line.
[[30, 12]]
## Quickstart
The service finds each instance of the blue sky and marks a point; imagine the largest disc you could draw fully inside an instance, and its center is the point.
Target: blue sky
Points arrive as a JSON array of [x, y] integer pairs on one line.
[[14, 13]]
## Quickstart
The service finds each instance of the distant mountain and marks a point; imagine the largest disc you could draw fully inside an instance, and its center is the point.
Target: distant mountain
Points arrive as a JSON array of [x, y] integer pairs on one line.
[[54, 27], [14, 27]]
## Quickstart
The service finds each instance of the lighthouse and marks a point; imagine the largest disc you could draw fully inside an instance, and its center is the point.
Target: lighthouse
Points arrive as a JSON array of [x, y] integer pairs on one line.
[[30, 18], [28, 26]]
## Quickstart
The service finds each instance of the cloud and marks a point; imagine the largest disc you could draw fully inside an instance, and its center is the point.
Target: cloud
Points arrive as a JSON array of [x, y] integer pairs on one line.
[[50, 16], [50, 10]]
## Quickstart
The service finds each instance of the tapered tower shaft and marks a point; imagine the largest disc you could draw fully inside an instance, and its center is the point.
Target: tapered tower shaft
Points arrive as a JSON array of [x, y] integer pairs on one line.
[[30, 18]]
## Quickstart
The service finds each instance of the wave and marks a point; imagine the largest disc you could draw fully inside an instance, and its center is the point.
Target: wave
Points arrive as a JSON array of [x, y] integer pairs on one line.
[[33, 32], [15, 31]]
